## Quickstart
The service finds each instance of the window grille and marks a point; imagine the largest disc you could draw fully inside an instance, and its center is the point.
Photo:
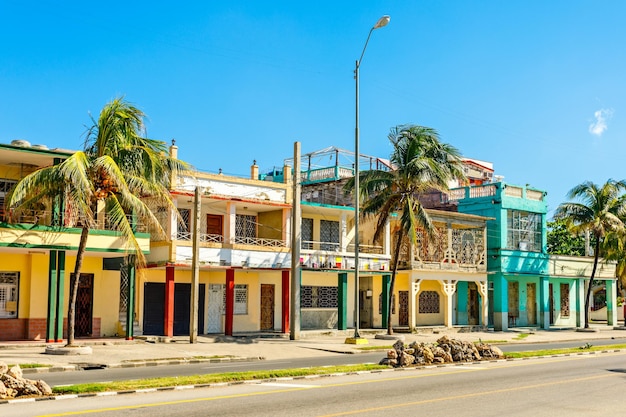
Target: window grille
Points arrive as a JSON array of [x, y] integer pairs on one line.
[[329, 235], [429, 302], [245, 225], [8, 294], [241, 299], [524, 231], [184, 224], [307, 233], [5, 187], [318, 297]]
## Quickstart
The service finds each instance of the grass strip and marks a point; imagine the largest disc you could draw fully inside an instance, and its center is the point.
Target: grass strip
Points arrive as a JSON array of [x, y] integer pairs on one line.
[[32, 365], [210, 379], [564, 351]]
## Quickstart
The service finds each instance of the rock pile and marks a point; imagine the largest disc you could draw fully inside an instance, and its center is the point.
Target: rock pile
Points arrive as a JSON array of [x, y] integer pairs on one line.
[[445, 350], [13, 384]]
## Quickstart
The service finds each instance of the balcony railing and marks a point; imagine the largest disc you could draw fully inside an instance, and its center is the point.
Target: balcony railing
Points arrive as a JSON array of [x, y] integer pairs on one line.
[[204, 237], [260, 241], [70, 220]]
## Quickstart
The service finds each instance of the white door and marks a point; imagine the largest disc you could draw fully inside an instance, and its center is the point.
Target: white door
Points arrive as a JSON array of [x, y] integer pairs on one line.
[[214, 319]]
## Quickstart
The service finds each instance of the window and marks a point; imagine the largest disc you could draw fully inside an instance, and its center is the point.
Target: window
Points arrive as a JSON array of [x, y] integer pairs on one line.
[[5, 187], [8, 294], [429, 302], [318, 297], [241, 299], [380, 303], [184, 224], [524, 231], [307, 233], [245, 225], [329, 235]]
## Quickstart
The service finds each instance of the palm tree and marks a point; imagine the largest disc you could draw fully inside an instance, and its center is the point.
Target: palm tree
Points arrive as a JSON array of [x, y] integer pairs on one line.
[[118, 168], [420, 162], [600, 212]]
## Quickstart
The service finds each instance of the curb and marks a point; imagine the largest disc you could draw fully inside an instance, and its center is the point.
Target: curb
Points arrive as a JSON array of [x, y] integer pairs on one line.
[[296, 378]]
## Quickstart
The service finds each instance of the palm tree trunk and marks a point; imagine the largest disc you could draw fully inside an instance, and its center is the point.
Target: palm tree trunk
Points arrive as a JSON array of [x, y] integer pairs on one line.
[[396, 260], [71, 314], [593, 274]]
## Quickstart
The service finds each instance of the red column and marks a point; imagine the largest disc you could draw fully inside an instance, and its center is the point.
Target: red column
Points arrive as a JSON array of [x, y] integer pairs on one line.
[[230, 302], [168, 326], [285, 303]]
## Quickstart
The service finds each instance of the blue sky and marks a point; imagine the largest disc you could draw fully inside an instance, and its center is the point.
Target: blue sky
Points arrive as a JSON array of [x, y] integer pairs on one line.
[[536, 87]]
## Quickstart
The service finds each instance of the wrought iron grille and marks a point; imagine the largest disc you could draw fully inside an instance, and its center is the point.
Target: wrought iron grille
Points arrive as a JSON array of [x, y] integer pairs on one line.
[[307, 233], [429, 302], [318, 297], [565, 300], [329, 235], [245, 225]]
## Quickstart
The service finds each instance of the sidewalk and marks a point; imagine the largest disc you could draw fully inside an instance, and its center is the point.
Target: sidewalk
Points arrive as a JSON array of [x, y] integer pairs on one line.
[[119, 352]]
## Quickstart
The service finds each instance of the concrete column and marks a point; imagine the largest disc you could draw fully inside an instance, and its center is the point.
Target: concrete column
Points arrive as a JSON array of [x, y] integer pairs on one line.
[[461, 302], [52, 296], [230, 222], [342, 302], [483, 290], [415, 289], [385, 296], [168, 326], [544, 302], [449, 288], [611, 297], [58, 334], [580, 302], [284, 325], [500, 302], [130, 310], [230, 302]]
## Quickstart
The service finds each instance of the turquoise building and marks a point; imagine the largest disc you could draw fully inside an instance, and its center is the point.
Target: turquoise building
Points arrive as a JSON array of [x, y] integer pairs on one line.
[[526, 286]]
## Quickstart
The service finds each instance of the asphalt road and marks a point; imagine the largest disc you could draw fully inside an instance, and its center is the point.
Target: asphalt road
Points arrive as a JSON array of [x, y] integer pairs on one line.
[[580, 385], [117, 374]]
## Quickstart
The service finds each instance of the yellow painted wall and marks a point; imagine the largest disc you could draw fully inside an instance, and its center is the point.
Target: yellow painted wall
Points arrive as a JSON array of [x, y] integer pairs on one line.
[[422, 319], [271, 224]]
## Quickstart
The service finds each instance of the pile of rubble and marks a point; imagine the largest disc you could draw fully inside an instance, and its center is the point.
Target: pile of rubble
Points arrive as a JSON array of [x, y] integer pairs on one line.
[[445, 350], [13, 384]]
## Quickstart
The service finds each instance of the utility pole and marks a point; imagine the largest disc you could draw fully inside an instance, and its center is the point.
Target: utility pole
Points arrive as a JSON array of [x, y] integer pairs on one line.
[[296, 237], [195, 270]]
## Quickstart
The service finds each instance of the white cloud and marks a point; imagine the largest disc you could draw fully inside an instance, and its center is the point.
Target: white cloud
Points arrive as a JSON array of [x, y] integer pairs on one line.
[[599, 126]]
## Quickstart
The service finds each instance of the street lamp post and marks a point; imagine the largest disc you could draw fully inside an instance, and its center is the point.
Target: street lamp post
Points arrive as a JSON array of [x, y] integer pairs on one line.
[[381, 22]]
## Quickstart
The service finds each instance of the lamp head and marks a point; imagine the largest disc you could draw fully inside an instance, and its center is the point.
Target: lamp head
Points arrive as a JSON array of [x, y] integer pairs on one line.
[[383, 21]]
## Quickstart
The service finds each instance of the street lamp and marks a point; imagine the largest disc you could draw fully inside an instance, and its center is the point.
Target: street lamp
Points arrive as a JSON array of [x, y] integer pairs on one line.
[[381, 22]]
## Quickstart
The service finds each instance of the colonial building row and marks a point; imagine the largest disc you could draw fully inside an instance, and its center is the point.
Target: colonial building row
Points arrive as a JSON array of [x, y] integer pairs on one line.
[[486, 265]]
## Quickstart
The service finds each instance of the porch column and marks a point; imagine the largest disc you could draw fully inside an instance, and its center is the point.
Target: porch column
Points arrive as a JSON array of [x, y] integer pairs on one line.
[[483, 290], [500, 302], [415, 288], [342, 302], [58, 334], [449, 287], [230, 223], [130, 308], [461, 303], [611, 294], [544, 302], [168, 327], [230, 302], [386, 288], [580, 302], [52, 296], [284, 325]]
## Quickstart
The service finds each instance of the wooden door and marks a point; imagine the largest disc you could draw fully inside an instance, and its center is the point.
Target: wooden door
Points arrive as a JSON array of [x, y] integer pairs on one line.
[[267, 306], [214, 224], [531, 303], [551, 303], [84, 305], [513, 302], [472, 304], [403, 310]]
